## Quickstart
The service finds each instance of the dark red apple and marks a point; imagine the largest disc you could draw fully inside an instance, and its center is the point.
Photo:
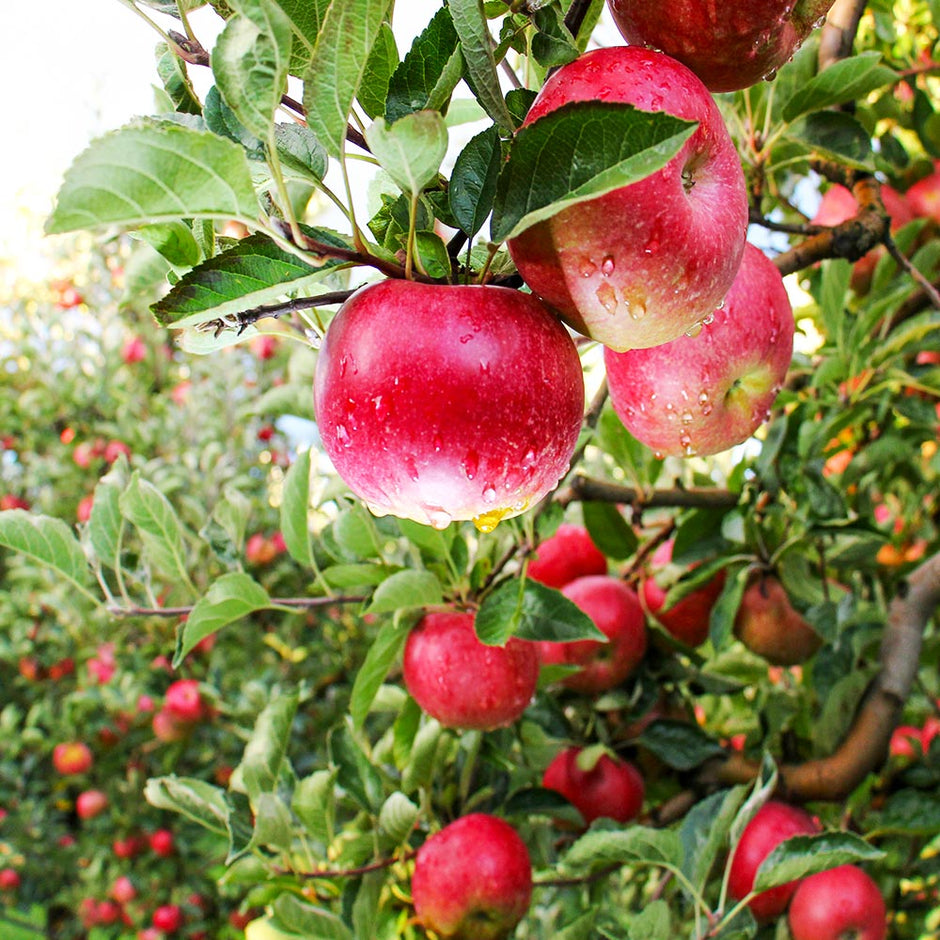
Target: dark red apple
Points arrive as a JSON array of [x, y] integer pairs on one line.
[[161, 843], [472, 880], [72, 757], [688, 619], [767, 624], [773, 823], [439, 402], [842, 903], [611, 788], [91, 803], [730, 46], [9, 879], [568, 554], [617, 613], [703, 394], [645, 263], [462, 682], [168, 918]]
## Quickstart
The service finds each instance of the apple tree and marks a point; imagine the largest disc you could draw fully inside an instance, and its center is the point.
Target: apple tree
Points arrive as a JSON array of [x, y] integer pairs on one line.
[[626, 402]]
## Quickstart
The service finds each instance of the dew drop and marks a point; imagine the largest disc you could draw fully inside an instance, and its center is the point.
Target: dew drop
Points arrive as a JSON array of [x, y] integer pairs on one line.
[[484, 367], [437, 443], [588, 268], [687, 417], [608, 265], [411, 468], [377, 510], [685, 439], [607, 298], [709, 318], [470, 464], [694, 330], [659, 455], [487, 521], [528, 459], [770, 76], [342, 435], [637, 309], [343, 364], [382, 409], [703, 398], [489, 493], [437, 517], [652, 246], [707, 409]]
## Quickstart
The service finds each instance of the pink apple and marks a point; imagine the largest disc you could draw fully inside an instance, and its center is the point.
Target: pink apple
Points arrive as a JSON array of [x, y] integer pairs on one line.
[[91, 803], [703, 394], [616, 611], [568, 554], [768, 624], [168, 918], [689, 618], [773, 823], [728, 47], [168, 728], [83, 511], [646, 263], [123, 890], [440, 402], [72, 757], [472, 880], [611, 788], [924, 197], [133, 350], [184, 701], [114, 449], [462, 682], [9, 879], [842, 903]]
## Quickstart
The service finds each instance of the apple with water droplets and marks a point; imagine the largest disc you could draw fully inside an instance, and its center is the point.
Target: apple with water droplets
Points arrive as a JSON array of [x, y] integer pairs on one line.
[[462, 682], [607, 787], [446, 402], [703, 394], [472, 879], [842, 903], [643, 264], [729, 46]]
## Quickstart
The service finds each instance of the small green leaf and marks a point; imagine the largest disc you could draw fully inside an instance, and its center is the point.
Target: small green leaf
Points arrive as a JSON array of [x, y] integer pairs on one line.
[[849, 79], [195, 799], [175, 241], [635, 845], [313, 802], [265, 755], [46, 541], [552, 44], [473, 181], [158, 525], [382, 63], [305, 920], [721, 621], [800, 856], [229, 598], [654, 922], [679, 744], [432, 255], [397, 819], [837, 135], [705, 830], [406, 589], [302, 156], [295, 508], [273, 827], [355, 772], [306, 19], [104, 524], [382, 653], [154, 171], [410, 150], [531, 611], [578, 152], [609, 530]]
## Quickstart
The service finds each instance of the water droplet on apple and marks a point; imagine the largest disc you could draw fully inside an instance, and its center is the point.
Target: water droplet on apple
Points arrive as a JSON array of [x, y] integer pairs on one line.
[[382, 409], [484, 367], [487, 521], [687, 417], [528, 459], [770, 76], [342, 435], [694, 330], [707, 409], [608, 265], [659, 455], [637, 309], [685, 439], [471, 464], [437, 443], [653, 397], [489, 493], [607, 298], [652, 246], [721, 304], [437, 517], [377, 510], [709, 318], [820, 22], [411, 468], [588, 267]]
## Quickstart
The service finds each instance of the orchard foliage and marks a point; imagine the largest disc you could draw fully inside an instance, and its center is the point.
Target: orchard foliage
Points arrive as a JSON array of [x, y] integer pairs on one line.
[[169, 512]]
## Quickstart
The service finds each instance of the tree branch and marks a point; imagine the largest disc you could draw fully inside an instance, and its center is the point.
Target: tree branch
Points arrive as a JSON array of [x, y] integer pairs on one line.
[[586, 489], [838, 33], [865, 747]]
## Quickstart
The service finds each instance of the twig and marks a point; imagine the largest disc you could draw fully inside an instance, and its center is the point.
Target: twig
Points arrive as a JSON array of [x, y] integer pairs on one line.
[[838, 33], [931, 292], [586, 489], [299, 602]]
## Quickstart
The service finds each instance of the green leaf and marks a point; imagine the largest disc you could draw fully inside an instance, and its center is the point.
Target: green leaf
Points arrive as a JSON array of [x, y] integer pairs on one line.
[[222, 120], [849, 79], [104, 524], [250, 62], [158, 525], [355, 772], [429, 72], [704, 832], [382, 653], [253, 273], [406, 589], [679, 744], [410, 150], [473, 181], [273, 827], [313, 802], [48, 542], [721, 621], [609, 530], [302, 156], [397, 819], [175, 241], [800, 856], [332, 78], [172, 72], [531, 611], [306, 19], [552, 44], [432, 254], [229, 598], [195, 799], [265, 755], [578, 152], [654, 922], [305, 920], [837, 135], [295, 507], [635, 845], [154, 171], [480, 62], [382, 63]]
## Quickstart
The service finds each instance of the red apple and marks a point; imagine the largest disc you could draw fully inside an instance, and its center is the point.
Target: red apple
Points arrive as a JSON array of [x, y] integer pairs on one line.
[[72, 757], [568, 554], [472, 880], [768, 625], [842, 903], [259, 549], [773, 823], [611, 787], [114, 449], [184, 701], [123, 890], [728, 47], [924, 197], [469, 408], [265, 347], [168, 918], [640, 266], [906, 742], [133, 350], [168, 728], [9, 501], [9, 879], [107, 912], [703, 394], [91, 803], [689, 618], [161, 842], [617, 613], [462, 682], [129, 846]]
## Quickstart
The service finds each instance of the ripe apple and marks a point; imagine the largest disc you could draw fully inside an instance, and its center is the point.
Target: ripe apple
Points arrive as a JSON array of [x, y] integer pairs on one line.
[[640, 266], [469, 407], [730, 47], [9, 879], [617, 613], [472, 880], [168, 728], [462, 682], [72, 757], [611, 787], [133, 350], [9, 501], [568, 554], [91, 803], [161, 843], [705, 393], [768, 625], [924, 197], [688, 619], [184, 702], [129, 846], [123, 890], [773, 823], [843, 903], [168, 918]]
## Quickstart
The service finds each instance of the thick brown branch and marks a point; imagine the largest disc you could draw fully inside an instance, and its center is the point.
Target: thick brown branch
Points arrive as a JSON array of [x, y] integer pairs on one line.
[[865, 747], [838, 34], [585, 489]]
